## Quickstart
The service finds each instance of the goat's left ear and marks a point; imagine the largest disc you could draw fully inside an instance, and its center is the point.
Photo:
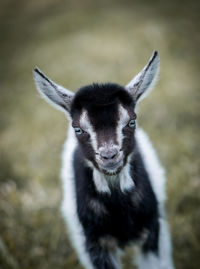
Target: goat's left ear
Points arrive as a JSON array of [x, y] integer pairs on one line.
[[143, 82]]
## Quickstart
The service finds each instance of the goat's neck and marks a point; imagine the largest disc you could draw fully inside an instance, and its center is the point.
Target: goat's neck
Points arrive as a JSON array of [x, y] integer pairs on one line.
[[104, 183]]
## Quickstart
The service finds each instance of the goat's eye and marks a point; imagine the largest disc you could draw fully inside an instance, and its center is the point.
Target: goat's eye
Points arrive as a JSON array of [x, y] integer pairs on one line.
[[131, 123], [78, 130]]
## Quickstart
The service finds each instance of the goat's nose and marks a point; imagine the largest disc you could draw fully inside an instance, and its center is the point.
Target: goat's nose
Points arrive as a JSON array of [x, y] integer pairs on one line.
[[108, 154]]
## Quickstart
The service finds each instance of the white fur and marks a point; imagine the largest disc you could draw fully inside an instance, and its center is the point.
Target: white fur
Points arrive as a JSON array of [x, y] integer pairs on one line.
[[69, 206], [126, 182], [86, 125], [100, 182], [164, 258], [115, 260], [123, 121], [155, 170], [165, 247]]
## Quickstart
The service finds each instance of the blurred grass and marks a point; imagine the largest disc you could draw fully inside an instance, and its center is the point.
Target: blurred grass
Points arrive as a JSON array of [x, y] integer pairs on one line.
[[77, 43]]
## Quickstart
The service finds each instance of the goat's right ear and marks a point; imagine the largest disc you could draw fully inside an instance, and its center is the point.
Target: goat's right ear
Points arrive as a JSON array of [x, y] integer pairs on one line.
[[53, 93]]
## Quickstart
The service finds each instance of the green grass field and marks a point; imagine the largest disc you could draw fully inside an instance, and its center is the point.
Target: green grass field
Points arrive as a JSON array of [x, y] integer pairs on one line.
[[76, 43]]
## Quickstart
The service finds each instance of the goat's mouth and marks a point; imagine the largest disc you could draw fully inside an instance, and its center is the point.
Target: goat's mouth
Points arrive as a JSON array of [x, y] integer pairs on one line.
[[111, 167]]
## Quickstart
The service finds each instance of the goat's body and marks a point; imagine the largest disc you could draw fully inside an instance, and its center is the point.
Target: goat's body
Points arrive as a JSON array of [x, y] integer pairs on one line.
[[114, 220]]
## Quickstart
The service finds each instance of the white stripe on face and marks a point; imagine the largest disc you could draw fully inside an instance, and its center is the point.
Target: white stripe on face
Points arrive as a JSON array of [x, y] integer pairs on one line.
[[86, 125], [123, 121]]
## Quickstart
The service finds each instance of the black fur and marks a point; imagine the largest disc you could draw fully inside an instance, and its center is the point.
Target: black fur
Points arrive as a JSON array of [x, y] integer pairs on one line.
[[100, 95]]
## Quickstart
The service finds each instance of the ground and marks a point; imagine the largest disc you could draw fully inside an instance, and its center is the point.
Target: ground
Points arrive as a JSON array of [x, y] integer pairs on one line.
[[76, 43]]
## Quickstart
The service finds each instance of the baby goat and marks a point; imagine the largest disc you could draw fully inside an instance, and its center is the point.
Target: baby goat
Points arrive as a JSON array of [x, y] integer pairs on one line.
[[114, 186]]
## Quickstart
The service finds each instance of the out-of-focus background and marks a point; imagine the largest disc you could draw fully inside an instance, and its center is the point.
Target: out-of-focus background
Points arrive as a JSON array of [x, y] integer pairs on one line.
[[76, 43]]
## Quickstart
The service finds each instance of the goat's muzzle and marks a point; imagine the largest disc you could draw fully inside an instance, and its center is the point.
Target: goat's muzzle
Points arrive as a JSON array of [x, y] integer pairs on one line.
[[109, 159]]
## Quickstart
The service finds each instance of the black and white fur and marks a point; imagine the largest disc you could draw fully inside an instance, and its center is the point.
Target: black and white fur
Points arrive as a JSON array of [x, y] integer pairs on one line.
[[113, 183]]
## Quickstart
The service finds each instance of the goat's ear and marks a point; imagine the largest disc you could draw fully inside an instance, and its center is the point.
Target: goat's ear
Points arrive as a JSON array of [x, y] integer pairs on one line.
[[53, 93], [144, 81]]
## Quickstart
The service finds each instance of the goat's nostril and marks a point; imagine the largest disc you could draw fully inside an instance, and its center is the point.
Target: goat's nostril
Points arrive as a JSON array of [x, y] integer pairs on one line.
[[104, 156], [112, 157]]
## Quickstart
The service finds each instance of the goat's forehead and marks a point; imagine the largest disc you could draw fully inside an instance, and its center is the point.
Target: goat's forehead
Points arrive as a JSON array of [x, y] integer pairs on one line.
[[99, 97], [104, 118]]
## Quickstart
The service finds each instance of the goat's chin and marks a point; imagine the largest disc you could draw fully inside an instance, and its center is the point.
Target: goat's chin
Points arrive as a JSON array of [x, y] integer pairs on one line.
[[111, 171]]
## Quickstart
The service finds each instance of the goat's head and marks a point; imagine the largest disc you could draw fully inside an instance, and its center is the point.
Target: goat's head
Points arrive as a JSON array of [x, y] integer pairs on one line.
[[103, 115]]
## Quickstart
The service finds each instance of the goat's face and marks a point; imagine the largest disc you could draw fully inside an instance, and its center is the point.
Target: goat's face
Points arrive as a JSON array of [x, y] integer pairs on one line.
[[103, 116], [103, 119]]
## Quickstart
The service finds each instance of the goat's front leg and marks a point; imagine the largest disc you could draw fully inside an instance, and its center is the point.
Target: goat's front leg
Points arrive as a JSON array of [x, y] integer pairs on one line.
[[162, 259], [102, 258]]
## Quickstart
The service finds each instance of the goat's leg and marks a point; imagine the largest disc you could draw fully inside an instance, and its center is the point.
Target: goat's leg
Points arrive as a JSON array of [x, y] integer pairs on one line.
[[103, 258], [162, 259]]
